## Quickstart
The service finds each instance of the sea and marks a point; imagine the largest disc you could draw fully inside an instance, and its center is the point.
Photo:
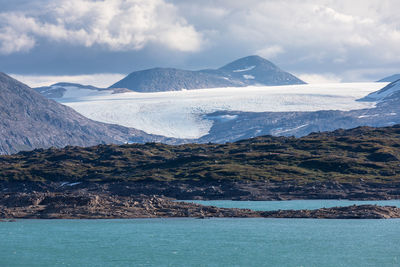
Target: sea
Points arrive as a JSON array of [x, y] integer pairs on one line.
[[206, 242]]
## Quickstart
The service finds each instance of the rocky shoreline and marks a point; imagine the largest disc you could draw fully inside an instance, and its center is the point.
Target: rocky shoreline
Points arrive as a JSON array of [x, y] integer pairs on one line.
[[39, 205], [94, 206]]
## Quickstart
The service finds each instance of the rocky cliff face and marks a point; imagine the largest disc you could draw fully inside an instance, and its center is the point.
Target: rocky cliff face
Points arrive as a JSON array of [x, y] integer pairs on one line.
[[28, 120]]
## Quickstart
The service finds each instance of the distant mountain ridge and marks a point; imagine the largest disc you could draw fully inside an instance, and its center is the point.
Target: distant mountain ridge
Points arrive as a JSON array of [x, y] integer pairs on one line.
[[28, 120], [391, 78], [63, 89], [251, 70]]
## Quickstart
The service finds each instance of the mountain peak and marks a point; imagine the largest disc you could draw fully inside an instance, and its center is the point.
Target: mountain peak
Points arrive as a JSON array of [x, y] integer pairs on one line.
[[255, 70], [247, 62]]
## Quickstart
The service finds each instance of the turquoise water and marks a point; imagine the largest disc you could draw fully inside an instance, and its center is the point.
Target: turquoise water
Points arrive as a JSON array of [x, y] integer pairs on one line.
[[196, 242], [291, 204]]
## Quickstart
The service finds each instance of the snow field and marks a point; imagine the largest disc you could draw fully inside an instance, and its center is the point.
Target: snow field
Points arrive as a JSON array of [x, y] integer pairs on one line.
[[181, 113]]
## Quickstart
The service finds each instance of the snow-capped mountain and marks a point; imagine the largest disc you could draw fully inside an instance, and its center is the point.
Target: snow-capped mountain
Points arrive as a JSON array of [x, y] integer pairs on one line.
[[385, 93], [391, 78], [255, 70], [251, 70], [73, 90]]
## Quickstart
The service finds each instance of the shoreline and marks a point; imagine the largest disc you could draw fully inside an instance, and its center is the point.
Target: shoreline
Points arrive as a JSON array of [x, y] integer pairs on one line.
[[48, 205]]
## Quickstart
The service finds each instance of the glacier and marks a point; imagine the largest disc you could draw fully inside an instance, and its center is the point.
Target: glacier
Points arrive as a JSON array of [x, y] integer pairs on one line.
[[182, 114]]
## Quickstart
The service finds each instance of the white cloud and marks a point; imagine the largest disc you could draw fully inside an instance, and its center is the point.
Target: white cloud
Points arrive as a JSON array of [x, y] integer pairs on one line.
[[114, 24], [11, 42], [319, 78], [346, 33], [270, 51], [303, 36], [102, 80]]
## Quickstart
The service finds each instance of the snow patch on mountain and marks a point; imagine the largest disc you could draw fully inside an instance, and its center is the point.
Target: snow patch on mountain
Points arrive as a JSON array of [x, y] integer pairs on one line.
[[245, 69], [385, 92], [248, 77], [181, 113]]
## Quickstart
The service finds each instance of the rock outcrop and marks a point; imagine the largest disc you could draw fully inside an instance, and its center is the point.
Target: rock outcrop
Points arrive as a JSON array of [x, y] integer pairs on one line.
[[52, 205], [94, 206], [350, 212]]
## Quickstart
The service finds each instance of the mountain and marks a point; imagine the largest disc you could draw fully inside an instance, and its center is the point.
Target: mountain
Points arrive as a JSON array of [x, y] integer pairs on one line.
[[167, 79], [251, 70], [391, 78], [392, 89], [255, 70], [28, 121], [68, 90]]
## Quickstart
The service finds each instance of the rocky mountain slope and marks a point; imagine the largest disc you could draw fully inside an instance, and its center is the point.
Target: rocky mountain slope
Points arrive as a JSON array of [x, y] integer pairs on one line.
[[28, 120], [390, 91], [250, 70]]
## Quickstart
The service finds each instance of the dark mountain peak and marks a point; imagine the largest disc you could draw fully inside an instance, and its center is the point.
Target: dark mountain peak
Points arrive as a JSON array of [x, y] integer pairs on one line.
[[10, 89], [255, 70], [249, 62]]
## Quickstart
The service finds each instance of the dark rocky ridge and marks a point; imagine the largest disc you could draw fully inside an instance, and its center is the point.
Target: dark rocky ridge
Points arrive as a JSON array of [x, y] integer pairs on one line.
[[93, 206], [251, 70], [351, 212], [28, 121], [344, 155]]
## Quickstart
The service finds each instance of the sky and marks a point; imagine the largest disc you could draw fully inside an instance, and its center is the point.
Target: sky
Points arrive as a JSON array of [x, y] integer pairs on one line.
[[98, 42]]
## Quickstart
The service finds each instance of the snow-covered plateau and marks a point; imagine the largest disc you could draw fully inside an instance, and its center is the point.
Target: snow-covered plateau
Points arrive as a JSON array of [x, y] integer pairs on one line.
[[180, 114]]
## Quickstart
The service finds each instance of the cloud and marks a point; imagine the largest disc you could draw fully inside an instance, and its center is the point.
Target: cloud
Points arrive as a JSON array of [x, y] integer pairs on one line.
[[357, 39], [328, 36], [270, 51], [119, 25], [102, 80], [11, 42], [319, 78]]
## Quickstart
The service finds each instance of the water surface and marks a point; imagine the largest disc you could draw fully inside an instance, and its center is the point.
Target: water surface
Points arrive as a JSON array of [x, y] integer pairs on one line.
[[207, 242]]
